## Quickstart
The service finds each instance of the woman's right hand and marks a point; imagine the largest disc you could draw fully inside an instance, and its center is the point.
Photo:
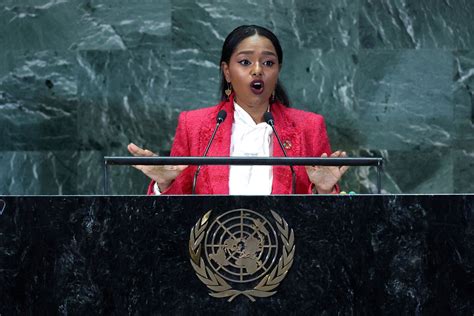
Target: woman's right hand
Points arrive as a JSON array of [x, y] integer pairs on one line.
[[162, 175]]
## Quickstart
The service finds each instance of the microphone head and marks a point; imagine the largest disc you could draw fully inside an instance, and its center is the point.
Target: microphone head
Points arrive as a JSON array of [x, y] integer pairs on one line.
[[268, 118], [221, 116]]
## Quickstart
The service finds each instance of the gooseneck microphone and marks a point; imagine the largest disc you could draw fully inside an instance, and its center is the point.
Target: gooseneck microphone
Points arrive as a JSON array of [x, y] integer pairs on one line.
[[220, 118], [268, 117]]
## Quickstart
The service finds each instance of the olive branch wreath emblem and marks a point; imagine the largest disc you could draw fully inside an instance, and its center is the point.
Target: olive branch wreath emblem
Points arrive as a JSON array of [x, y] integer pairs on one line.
[[219, 287]]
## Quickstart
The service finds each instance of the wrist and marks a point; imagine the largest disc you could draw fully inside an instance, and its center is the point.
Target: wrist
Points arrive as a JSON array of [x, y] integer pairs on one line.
[[319, 190]]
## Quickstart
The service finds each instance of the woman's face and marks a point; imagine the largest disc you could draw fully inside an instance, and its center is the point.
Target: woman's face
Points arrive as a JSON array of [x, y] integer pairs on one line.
[[253, 71]]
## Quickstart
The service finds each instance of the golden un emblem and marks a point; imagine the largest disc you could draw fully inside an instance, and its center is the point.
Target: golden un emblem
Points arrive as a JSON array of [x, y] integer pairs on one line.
[[241, 253]]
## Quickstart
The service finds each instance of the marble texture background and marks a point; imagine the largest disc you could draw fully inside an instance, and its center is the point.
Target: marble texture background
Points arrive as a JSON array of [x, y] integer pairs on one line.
[[79, 79]]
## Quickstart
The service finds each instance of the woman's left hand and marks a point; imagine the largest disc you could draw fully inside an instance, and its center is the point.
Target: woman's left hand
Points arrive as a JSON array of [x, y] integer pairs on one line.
[[325, 178]]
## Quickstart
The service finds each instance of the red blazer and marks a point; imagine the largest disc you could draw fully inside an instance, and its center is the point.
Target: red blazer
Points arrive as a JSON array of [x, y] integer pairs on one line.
[[303, 132]]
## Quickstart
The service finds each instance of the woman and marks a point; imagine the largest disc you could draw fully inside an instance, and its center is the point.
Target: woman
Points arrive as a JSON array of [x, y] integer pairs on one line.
[[250, 64]]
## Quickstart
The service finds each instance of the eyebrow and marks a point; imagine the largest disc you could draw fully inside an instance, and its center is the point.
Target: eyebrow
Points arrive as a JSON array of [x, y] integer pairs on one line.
[[249, 52]]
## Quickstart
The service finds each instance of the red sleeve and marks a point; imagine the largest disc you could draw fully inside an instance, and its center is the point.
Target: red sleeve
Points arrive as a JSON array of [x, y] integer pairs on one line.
[[181, 148]]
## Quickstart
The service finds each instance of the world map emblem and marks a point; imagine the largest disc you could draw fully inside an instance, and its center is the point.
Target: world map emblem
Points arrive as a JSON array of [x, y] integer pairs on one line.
[[241, 252]]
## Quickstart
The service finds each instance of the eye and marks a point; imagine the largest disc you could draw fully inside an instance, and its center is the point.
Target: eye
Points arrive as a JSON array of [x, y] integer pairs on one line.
[[244, 62], [269, 63]]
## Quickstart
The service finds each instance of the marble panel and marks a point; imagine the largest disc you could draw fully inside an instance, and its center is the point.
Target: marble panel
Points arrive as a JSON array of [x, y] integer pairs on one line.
[[411, 172], [405, 99], [69, 24], [90, 76], [420, 171], [125, 24], [463, 170], [394, 24], [200, 27], [323, 82], [325, 24], [122, 180], [196, 46], [40, 24], [194, 79], [363, 180], [464, 99], [38, 172], [38, 100], [123, 98]]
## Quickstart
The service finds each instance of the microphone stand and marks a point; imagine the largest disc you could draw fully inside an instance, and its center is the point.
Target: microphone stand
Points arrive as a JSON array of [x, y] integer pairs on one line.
[[268, 117], [220, 118]]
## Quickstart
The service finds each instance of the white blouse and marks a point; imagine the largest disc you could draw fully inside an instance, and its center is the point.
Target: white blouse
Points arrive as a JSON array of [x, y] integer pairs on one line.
[[248, 139]]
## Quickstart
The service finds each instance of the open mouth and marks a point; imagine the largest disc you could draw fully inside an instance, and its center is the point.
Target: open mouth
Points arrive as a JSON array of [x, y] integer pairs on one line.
[[257, 86]]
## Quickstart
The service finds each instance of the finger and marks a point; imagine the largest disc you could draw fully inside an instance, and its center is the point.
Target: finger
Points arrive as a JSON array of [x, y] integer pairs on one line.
[[139, 152], [324, 155], [132, 148], [175, 167], [135, 150], [336, 154], [343, 169], [148, 153]]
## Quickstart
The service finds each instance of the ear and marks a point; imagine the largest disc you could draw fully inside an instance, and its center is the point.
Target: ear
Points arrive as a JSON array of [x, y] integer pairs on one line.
[[225, 71]]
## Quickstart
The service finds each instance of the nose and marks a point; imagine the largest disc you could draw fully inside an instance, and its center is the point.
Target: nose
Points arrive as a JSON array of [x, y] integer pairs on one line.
[[257, 70]]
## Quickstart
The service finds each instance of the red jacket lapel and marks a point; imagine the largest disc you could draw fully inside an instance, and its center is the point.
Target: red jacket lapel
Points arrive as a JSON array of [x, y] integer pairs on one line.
[[217, 177], [291, 141]]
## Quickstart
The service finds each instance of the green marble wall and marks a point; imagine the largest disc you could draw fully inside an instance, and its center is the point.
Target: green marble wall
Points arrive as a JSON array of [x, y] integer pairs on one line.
[[80, 79]]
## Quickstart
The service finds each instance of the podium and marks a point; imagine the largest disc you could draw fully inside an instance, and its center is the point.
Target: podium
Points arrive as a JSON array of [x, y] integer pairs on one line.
[[360, 254]]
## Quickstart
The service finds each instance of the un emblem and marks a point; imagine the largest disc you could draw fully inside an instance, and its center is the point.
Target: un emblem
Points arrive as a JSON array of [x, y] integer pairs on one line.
[[241, 253]]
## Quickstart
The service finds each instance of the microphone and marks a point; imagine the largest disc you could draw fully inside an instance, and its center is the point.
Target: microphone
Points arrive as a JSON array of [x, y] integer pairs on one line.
[[219, 119], [221, 116], [268, 118]]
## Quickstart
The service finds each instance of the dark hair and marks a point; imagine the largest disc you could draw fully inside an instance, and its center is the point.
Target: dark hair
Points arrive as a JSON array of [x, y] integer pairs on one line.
[[231, 43]]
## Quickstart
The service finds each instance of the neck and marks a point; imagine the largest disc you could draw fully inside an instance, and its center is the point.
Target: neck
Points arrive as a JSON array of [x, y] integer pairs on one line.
[[255, 111]]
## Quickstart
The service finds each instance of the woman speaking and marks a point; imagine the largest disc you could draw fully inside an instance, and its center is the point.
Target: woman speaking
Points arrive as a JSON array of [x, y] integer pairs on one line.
[[251, 98]]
